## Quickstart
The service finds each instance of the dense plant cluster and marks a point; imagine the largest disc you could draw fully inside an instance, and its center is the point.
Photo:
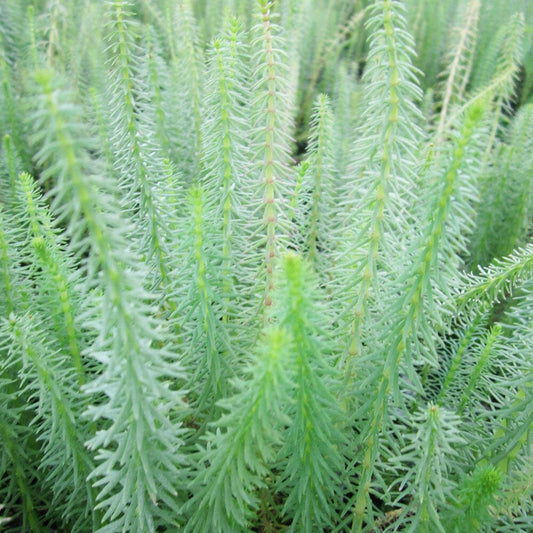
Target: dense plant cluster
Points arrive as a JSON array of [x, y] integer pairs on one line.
[[266, 265]]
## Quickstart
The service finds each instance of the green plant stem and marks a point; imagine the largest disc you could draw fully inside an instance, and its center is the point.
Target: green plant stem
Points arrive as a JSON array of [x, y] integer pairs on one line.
[[270, 215], [405, 324]]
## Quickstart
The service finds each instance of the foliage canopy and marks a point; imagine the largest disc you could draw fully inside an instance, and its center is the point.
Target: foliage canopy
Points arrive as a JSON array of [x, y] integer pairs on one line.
[[266, 266]]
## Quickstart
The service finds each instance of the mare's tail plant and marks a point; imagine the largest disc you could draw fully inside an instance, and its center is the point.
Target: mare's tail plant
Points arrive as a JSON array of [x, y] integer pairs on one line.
[[266, 266]]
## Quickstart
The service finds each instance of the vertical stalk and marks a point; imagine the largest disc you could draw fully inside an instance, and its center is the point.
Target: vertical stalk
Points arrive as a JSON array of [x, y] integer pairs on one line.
[[411, 308], [270, 217]]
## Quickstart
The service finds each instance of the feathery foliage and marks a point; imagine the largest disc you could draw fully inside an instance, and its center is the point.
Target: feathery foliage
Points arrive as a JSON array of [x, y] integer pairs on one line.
[[266, 266]]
